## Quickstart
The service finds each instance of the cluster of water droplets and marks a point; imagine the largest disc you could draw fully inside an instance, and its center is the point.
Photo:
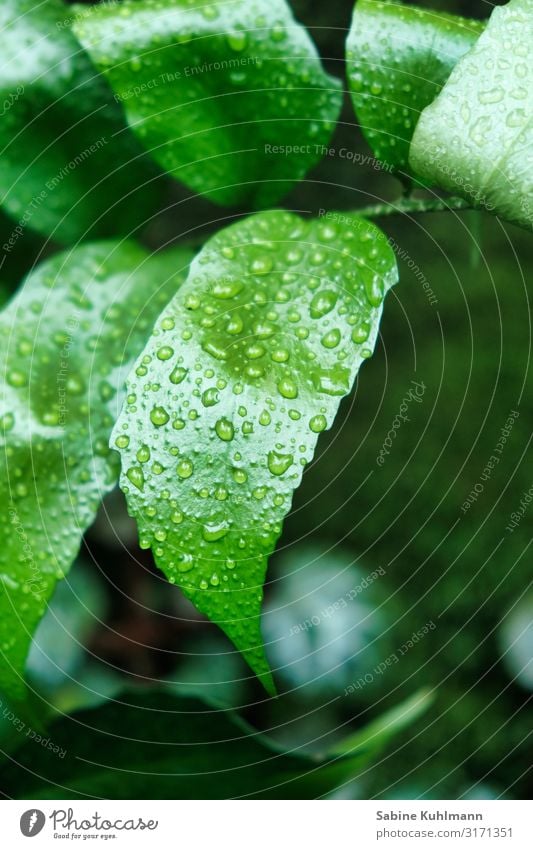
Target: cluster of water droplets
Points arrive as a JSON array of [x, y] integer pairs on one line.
[[245, 369], [398, 59], [475, 139], [68, 338], [196, 106]]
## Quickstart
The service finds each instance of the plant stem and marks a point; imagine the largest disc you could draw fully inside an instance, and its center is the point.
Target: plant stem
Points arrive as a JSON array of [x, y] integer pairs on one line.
[[413, 205]]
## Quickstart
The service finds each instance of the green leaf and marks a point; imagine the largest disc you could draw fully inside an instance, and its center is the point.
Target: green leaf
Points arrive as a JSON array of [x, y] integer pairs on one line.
[[158, 745], [246, 366], [212, 89], [398, 59], [69, 166], [476, 138], [68, 339]]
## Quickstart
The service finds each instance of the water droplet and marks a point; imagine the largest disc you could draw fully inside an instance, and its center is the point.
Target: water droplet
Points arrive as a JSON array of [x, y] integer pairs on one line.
[[51, 418], [335, 381], [165, 352], [214, 531], [374, 291], [360, 333], [287, 388], [235, 325], [331, 339], [261, 265], [136, 476], [106, 390], [227, 288], [263, 329], [210, 13], [224, 429], [254, 352], [177, 375], [254, 371], [185, 562], [322, 303], [214, 350], [516, 118], [143, 454], [294, 256], [17, 378], [7, 421], [279, 463], [210, 397], [356, 80], [492, 96], [280, 355], [237, 41], [185, 468], [277, 33], [318, 423], [159, 416]]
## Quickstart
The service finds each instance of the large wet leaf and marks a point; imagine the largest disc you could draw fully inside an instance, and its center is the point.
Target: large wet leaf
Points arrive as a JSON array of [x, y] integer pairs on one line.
[[398, 59], [69, 166], [68, 339], [230, 98], [246, 367], [154, 745], [476, 139]]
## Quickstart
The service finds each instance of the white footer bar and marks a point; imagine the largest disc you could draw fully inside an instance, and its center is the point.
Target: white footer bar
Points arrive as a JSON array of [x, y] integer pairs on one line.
[[262, 825]]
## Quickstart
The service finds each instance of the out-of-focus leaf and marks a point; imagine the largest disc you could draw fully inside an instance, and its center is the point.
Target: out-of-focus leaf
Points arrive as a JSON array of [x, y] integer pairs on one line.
[[75, 610], [68, 340], [69, 166], [230, 98], [398, 59], [246, 367], [516, 642], [322, 623], [476, 139], [154, 745]]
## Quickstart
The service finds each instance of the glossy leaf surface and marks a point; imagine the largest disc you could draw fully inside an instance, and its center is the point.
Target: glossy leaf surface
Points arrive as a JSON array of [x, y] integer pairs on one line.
[[69, 166], [246, 367], [476, 139], [68, 339], [398, 59], [230, 98]]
